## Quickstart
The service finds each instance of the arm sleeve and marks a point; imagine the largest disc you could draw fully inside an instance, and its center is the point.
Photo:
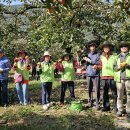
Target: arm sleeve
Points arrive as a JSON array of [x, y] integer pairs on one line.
[[99, 66], [115, 67], [60, 67], [7, 67], [75, 64], [95, 62]]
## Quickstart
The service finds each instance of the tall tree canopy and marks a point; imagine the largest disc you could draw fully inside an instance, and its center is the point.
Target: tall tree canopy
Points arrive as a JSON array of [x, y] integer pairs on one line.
[[56, 24]]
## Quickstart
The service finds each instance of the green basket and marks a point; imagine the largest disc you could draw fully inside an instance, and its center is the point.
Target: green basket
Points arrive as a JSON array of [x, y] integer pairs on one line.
[[76, 106]]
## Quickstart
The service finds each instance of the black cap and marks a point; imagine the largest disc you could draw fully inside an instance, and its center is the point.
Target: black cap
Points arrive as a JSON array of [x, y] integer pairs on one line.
[[124, 44], [107, 44], [93, 42]]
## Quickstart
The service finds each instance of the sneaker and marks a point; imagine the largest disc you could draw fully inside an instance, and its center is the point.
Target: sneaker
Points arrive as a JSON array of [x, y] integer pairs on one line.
[[119, 114], [25, 104], [45, 107], [5, 105], [124, 112], [21, 103], [115, 110], [97, 108], [89, 104], [50, 104], [104, 109], [61, 104]]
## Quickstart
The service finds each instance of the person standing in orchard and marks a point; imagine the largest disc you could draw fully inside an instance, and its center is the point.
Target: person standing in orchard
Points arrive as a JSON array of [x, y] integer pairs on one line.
[[5, 67], [93, 78], [47, 78], [34, 68], [67, 68], [21, 67], [107, 75], [122, 78], [38, 69]]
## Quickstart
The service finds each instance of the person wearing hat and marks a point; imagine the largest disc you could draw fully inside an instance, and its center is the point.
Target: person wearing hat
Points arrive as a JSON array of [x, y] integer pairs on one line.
[[38, 69], [67, 68], [5, 67], [107, 75], [34, 65], [21, 67], [47, 78], [122, 78], [92, 62]]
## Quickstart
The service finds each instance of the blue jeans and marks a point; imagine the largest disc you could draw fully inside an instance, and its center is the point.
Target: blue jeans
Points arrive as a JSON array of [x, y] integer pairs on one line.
[[46, 92], [3, 92], [22, 91]]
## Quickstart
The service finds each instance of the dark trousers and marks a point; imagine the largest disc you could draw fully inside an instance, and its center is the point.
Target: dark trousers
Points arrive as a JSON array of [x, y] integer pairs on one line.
[[3, 92], [93, 82], [46, 92], [109, 83], [37, 75], [64, 85], [33, 71]]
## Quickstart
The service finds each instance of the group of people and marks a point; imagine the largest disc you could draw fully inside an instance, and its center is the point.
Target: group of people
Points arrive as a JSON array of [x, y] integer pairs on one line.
[[22, 67], [112, 68]]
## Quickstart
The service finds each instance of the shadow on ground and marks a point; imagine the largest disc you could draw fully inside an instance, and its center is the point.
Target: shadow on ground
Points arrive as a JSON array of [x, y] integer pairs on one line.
[[71, 121], [33, 117]]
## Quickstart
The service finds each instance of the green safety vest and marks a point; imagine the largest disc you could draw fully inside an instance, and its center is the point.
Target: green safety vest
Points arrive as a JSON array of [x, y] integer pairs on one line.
[[69, 72], [47, 72], [118, 73], [25, 72], [107, 65]]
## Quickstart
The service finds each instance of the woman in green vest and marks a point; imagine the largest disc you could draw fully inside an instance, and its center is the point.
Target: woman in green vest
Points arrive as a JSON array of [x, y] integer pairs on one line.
[[47, 78], [122, 78], [21, 67], [107, 75], [67, 67]]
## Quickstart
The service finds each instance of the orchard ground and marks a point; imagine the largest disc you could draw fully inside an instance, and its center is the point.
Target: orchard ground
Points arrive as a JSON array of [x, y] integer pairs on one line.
[[33, 117]]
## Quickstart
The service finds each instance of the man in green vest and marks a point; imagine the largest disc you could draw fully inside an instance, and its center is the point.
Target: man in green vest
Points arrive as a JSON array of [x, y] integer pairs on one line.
[[107, 76], [122, 78]]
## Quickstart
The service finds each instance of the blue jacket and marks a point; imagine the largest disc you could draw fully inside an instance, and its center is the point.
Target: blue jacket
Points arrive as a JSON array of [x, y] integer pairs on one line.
[[5, 65], [95, 59]]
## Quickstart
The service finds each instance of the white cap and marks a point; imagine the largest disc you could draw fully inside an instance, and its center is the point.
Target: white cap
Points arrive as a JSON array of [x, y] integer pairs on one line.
[[46, 53]]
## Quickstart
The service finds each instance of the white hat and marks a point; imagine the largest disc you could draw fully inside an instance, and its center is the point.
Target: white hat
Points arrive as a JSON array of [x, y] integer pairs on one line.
[[46, 53]]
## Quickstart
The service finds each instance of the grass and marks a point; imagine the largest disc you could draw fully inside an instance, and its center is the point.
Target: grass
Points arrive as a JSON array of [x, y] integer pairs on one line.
[[33, 117]]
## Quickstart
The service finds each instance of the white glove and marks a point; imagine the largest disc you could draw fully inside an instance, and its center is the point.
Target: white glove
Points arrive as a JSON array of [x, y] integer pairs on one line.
[[15, 64], [87, 59], [1, 70]]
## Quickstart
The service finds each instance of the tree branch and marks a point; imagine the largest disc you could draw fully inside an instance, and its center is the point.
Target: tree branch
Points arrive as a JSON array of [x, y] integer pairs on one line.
[[16, 12], [76, 13]]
